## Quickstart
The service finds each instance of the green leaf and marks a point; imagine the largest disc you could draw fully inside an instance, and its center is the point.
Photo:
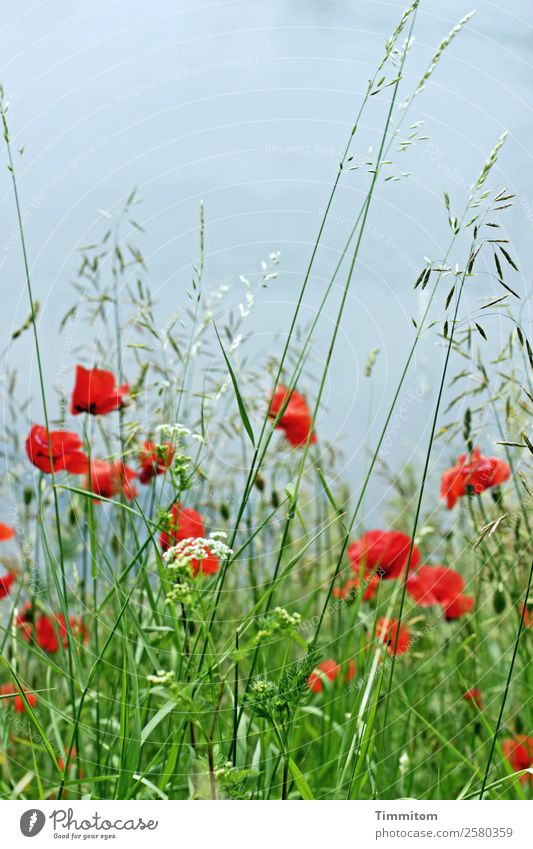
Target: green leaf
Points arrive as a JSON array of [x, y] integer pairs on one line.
[[300, 781], [240, 402]]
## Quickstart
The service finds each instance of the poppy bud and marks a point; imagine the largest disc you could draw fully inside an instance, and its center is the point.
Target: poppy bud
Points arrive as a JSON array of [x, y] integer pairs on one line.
[[259, 482], [28, 495], [498, 600], [275, 498], [224, 511]]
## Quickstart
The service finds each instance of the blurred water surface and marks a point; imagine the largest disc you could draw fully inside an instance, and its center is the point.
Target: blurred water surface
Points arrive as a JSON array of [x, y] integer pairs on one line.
[[246, 106]]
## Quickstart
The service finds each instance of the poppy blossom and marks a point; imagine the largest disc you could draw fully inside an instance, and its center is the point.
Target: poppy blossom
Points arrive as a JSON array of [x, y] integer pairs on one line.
[[296, 419], [473, 695], [208, 565], [384, 553], [108, 479], [528, 615], [458, 607], [388, 631], [351, 669], [6, 532], [11, 694], [327, 669], [96, 392], [435, 585], [519, 753], [50, 631], [6, 582], [154, 459], [182, 523], [477, 472], [353, 586], [62, 447]]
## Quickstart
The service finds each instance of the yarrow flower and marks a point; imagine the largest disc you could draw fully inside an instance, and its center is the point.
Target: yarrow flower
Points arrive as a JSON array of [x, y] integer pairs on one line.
[[384, 553], [296, 419], [200, 554], [278, 621], [64, 449], [108, 479], [476, 472], [96, 392]]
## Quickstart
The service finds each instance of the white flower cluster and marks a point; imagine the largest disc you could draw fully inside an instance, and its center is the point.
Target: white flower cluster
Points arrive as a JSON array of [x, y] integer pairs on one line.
[[176, 431], [290, 620], [195, 548], [162, 678]]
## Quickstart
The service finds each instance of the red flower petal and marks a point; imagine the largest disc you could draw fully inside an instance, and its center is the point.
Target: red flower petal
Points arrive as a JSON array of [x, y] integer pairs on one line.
[[96, 392], [327, 669], [383, 552], [6, 532], [296, 419]]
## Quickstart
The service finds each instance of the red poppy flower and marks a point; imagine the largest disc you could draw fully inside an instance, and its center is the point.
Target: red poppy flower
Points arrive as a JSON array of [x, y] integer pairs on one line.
[[208, 565], [478, 472], [96, 392], [72, 759], [327, 669], [6, 532], [186, 523], [64, 447], [458, 607], [528, 615], [353, 586], [386, 631], [384, 553], [296, 420], [110, 479], [14, 696], [351, 669], [155, 460], [519, 753], [473, 695], [183, 523], [51, 630], [435, 585], [6, 582]]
